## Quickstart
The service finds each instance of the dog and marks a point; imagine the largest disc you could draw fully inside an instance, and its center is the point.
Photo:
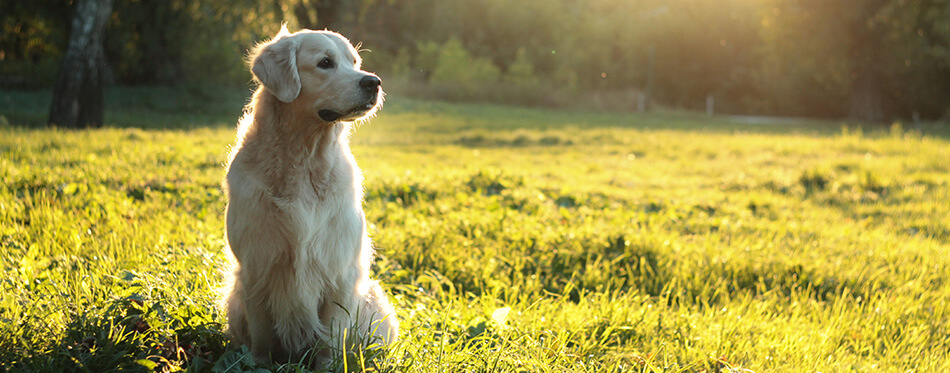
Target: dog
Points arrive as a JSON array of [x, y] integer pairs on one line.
[[295, 224]]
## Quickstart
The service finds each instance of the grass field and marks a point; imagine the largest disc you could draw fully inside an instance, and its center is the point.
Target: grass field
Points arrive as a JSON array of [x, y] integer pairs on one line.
[[510, 240]]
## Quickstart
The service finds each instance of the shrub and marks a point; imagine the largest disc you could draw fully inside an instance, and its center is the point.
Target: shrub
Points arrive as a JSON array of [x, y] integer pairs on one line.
[[521, 71], [457, 67]]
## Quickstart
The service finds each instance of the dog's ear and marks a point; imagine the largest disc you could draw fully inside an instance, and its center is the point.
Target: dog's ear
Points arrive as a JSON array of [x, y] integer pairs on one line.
[[275, 66]]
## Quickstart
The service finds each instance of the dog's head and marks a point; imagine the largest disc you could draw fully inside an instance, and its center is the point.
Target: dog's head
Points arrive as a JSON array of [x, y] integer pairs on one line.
[[319, 70]]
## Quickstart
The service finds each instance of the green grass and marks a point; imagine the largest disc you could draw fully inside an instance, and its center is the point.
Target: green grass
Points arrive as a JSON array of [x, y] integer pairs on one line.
[[510, 240]]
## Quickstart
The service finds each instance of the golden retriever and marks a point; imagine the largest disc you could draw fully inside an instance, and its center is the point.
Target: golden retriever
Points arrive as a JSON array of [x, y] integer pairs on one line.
[[295, 222]]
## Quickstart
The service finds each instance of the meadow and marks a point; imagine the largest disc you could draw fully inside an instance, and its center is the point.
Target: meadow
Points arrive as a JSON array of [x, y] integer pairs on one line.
[[510, 240]]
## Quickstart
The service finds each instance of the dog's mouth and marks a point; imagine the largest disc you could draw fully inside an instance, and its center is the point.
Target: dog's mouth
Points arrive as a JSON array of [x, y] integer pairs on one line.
[[353, 113]]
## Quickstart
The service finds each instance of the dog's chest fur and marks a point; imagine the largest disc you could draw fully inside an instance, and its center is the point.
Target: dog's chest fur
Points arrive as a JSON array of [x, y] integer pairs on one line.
[[323, 205], [315, 193]]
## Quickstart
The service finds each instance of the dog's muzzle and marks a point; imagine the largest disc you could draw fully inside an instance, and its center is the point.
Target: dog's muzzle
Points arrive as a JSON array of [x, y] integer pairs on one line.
[[353, 113], [329, 115], [370, 85]]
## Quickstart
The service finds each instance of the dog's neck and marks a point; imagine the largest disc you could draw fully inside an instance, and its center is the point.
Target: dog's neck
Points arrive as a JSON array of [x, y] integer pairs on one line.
[[297, 126], [295, 141]]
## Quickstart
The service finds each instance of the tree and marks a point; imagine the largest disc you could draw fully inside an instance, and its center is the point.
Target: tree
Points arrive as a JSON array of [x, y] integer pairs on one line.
[[319, 14], [866, 44], [77, 96]]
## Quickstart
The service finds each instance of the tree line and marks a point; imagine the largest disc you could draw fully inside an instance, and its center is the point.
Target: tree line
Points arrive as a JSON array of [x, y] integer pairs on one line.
[[868, 60]]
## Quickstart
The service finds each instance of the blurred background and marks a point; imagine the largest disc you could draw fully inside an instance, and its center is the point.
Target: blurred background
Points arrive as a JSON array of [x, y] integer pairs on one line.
[[864, 60]]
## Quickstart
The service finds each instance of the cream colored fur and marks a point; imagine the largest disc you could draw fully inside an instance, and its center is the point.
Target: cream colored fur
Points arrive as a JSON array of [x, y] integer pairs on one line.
[[295, 223]]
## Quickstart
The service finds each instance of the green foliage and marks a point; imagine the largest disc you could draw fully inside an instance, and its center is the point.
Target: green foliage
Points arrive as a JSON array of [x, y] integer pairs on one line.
[[521, 71], [457, 68], [153, 42], [175, 42], [510, 240], [426, 57], [870, 60], [32, 37]]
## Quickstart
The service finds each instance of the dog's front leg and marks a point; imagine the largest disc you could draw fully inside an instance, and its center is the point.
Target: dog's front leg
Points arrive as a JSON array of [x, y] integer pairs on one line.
[[361, 319], [265, 345]]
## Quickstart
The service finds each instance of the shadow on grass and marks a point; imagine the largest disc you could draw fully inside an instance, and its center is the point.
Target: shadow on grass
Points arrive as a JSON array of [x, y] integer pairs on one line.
[[197, 106], [494, 117], [127, 334], [139, 107]]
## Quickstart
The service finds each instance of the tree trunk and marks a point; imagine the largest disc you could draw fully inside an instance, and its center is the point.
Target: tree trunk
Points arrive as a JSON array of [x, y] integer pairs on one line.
[[866, 91], [866, 98], [867, 46], [306, 15], [319, 14], [77, 96]]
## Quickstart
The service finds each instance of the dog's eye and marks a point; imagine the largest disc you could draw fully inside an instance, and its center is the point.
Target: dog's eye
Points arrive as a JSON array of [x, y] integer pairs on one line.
[[326, 63]]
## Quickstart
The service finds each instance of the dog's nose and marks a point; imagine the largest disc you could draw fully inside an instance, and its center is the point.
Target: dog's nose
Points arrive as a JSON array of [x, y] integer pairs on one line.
[[370, 82]]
